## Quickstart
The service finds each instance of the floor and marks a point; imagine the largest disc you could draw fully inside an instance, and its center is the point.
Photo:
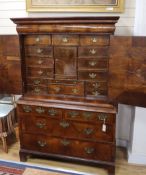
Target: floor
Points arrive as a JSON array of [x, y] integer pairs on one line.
[[122, 167]]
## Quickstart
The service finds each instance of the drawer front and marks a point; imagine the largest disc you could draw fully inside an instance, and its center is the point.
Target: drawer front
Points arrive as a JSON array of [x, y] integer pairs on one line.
[[37, 39], [40, 72], [39, 51], [96, 88], [98, 40], [66, 88], [37, 90], [92, 63], [68, 147], [93, 117], [41, 62], [93, 52], [93, 75], [37, 81], [47, 112], [65, 40]]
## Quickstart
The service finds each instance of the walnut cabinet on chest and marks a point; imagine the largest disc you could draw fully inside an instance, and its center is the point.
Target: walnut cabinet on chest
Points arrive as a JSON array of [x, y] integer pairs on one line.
[[64, 112]]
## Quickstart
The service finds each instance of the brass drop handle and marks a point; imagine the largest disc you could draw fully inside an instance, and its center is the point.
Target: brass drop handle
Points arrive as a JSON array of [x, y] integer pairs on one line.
[[39, 50], [64, 124], [96, 85], [88, 131], [37, 39], [89, 150], [52, 112], [36, 82], [57, 89], [65, 142], [40, 125], [40, 72], [40, 110], [73, 114], [92, 63], [94, 40], [40, 61], [27, 109], [92, 75], [37, 90], [93, 51], [65, 40], [96, 93], [41, 143], [102, 117], [75, 90]]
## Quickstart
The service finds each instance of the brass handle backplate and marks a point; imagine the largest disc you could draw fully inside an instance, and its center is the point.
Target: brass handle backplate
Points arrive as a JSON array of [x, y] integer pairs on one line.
[[92, 75], [65, 40], [64, 124], [73, 114], [41, 143], [40, 125], [52, 112], [88, 131], [37, 90], [92, 63], [40, 110], [92, 51], [36, 82], [65, 142], [37, 39], [27, 109], [94, 40], [89, 150], [102, 117]]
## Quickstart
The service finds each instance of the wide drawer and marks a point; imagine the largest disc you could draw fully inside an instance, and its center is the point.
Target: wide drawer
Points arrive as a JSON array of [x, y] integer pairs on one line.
[[92, 63], [98, 40], [66, 88], [92, 52], [41, 62], [40, 72], [68, 147], [100, 75], [70, 40], [47, 112], [39, 51], [37, 39]]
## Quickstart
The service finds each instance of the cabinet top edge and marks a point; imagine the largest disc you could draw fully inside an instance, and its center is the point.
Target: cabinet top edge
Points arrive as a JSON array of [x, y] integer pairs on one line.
[[64, 20]]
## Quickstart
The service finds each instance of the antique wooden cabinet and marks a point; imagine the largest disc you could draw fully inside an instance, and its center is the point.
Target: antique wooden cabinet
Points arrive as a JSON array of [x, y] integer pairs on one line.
[[65, 112]]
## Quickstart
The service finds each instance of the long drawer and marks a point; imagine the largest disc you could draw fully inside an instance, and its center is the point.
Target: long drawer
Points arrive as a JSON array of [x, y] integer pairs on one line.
[[68, 147]]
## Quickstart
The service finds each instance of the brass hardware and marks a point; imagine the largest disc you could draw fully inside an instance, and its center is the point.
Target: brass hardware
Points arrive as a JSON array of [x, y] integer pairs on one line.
[[37, 39], [36, 82], [57, 89], [92, 75], [96, 93], [64, 124], [94, 40], [87, 115], [88, 131], [65, 40], [92, 63], [52, 112], [73, 114], [40, 125], [89, 150], [40, 72], [27, 109], [96, 85], [41, 143], [40, 61], [102, 117], [75, 91], [37, 90], [40, 110], [39, 50], [65, 142], [93, 51]]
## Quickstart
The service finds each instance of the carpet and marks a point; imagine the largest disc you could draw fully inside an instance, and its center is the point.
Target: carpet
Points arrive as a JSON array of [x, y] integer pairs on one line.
[[19, 168]]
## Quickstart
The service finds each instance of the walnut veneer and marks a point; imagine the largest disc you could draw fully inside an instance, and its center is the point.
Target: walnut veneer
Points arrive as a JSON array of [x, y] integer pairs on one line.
[[64, 112]]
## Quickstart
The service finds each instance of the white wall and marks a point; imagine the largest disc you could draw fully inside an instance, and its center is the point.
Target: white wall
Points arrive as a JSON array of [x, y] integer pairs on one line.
[[16, 8]]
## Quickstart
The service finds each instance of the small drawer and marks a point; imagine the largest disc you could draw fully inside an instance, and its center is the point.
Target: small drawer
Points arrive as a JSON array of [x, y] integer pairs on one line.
[[40, 72], [100, 75], [41, 62], [97, 40], [39, 51], [37, 81], [92, 63], [96, 88], [93, 52], [37, 39], [70, 40], [37, 90], [67, 88]]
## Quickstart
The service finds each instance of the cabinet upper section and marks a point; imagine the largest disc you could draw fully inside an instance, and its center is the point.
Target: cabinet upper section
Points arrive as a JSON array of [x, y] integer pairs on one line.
[[67, 24]]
